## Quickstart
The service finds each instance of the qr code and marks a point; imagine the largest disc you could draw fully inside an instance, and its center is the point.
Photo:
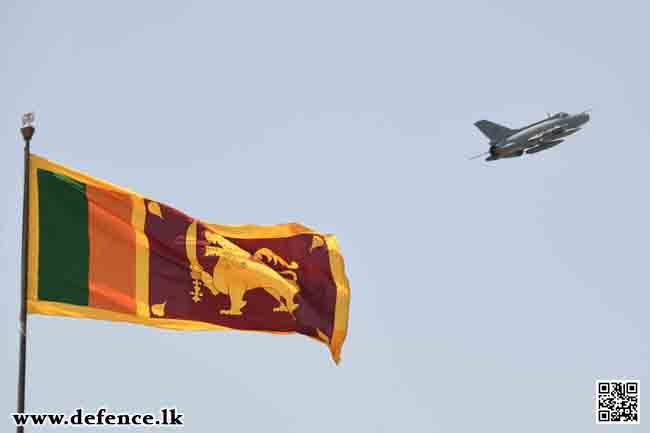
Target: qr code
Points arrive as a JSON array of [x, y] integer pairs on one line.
[[618, 402]]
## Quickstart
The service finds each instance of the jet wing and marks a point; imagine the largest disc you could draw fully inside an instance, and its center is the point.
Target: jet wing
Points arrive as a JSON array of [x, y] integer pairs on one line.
[[553, 134], [544, 134], [543, 146]]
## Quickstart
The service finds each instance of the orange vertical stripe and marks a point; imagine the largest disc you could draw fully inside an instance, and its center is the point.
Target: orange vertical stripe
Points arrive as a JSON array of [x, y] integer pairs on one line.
[[111, 278]]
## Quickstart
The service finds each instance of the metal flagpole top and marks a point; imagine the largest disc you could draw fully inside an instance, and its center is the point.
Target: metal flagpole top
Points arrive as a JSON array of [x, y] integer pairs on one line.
[[28, 130]]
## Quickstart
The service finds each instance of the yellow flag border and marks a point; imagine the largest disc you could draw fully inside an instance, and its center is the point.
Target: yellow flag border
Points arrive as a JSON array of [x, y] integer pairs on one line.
[[246, 231]]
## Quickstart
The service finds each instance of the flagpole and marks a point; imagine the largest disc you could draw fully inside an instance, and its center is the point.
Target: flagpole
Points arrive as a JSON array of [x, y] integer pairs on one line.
[[27, 131]]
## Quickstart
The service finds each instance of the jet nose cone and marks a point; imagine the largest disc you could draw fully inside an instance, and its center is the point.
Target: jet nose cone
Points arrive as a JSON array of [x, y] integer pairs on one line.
[[584, 117]]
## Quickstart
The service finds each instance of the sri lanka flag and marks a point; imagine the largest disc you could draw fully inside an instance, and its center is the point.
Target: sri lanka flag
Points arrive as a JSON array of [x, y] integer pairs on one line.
[[99, 251]]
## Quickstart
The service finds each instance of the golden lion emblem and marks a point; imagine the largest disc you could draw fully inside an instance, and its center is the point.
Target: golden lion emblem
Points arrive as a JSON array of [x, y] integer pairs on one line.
[[238, 271]]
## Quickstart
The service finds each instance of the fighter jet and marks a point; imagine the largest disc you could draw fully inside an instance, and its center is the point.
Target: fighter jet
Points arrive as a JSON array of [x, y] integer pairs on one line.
[[533, 138]]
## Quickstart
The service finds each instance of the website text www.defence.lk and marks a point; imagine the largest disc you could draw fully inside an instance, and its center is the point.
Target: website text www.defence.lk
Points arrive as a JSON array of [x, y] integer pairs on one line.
[[167, 417]]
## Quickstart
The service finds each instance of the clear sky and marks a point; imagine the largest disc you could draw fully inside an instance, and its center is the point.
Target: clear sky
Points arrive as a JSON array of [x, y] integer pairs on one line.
[[484, 298]]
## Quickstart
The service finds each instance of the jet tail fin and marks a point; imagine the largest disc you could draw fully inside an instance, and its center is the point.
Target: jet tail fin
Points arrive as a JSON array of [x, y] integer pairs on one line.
[[492, 130]]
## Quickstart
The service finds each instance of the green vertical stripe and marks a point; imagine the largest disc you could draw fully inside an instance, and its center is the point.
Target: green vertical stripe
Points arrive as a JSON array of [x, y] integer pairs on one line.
[[63, 239]]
